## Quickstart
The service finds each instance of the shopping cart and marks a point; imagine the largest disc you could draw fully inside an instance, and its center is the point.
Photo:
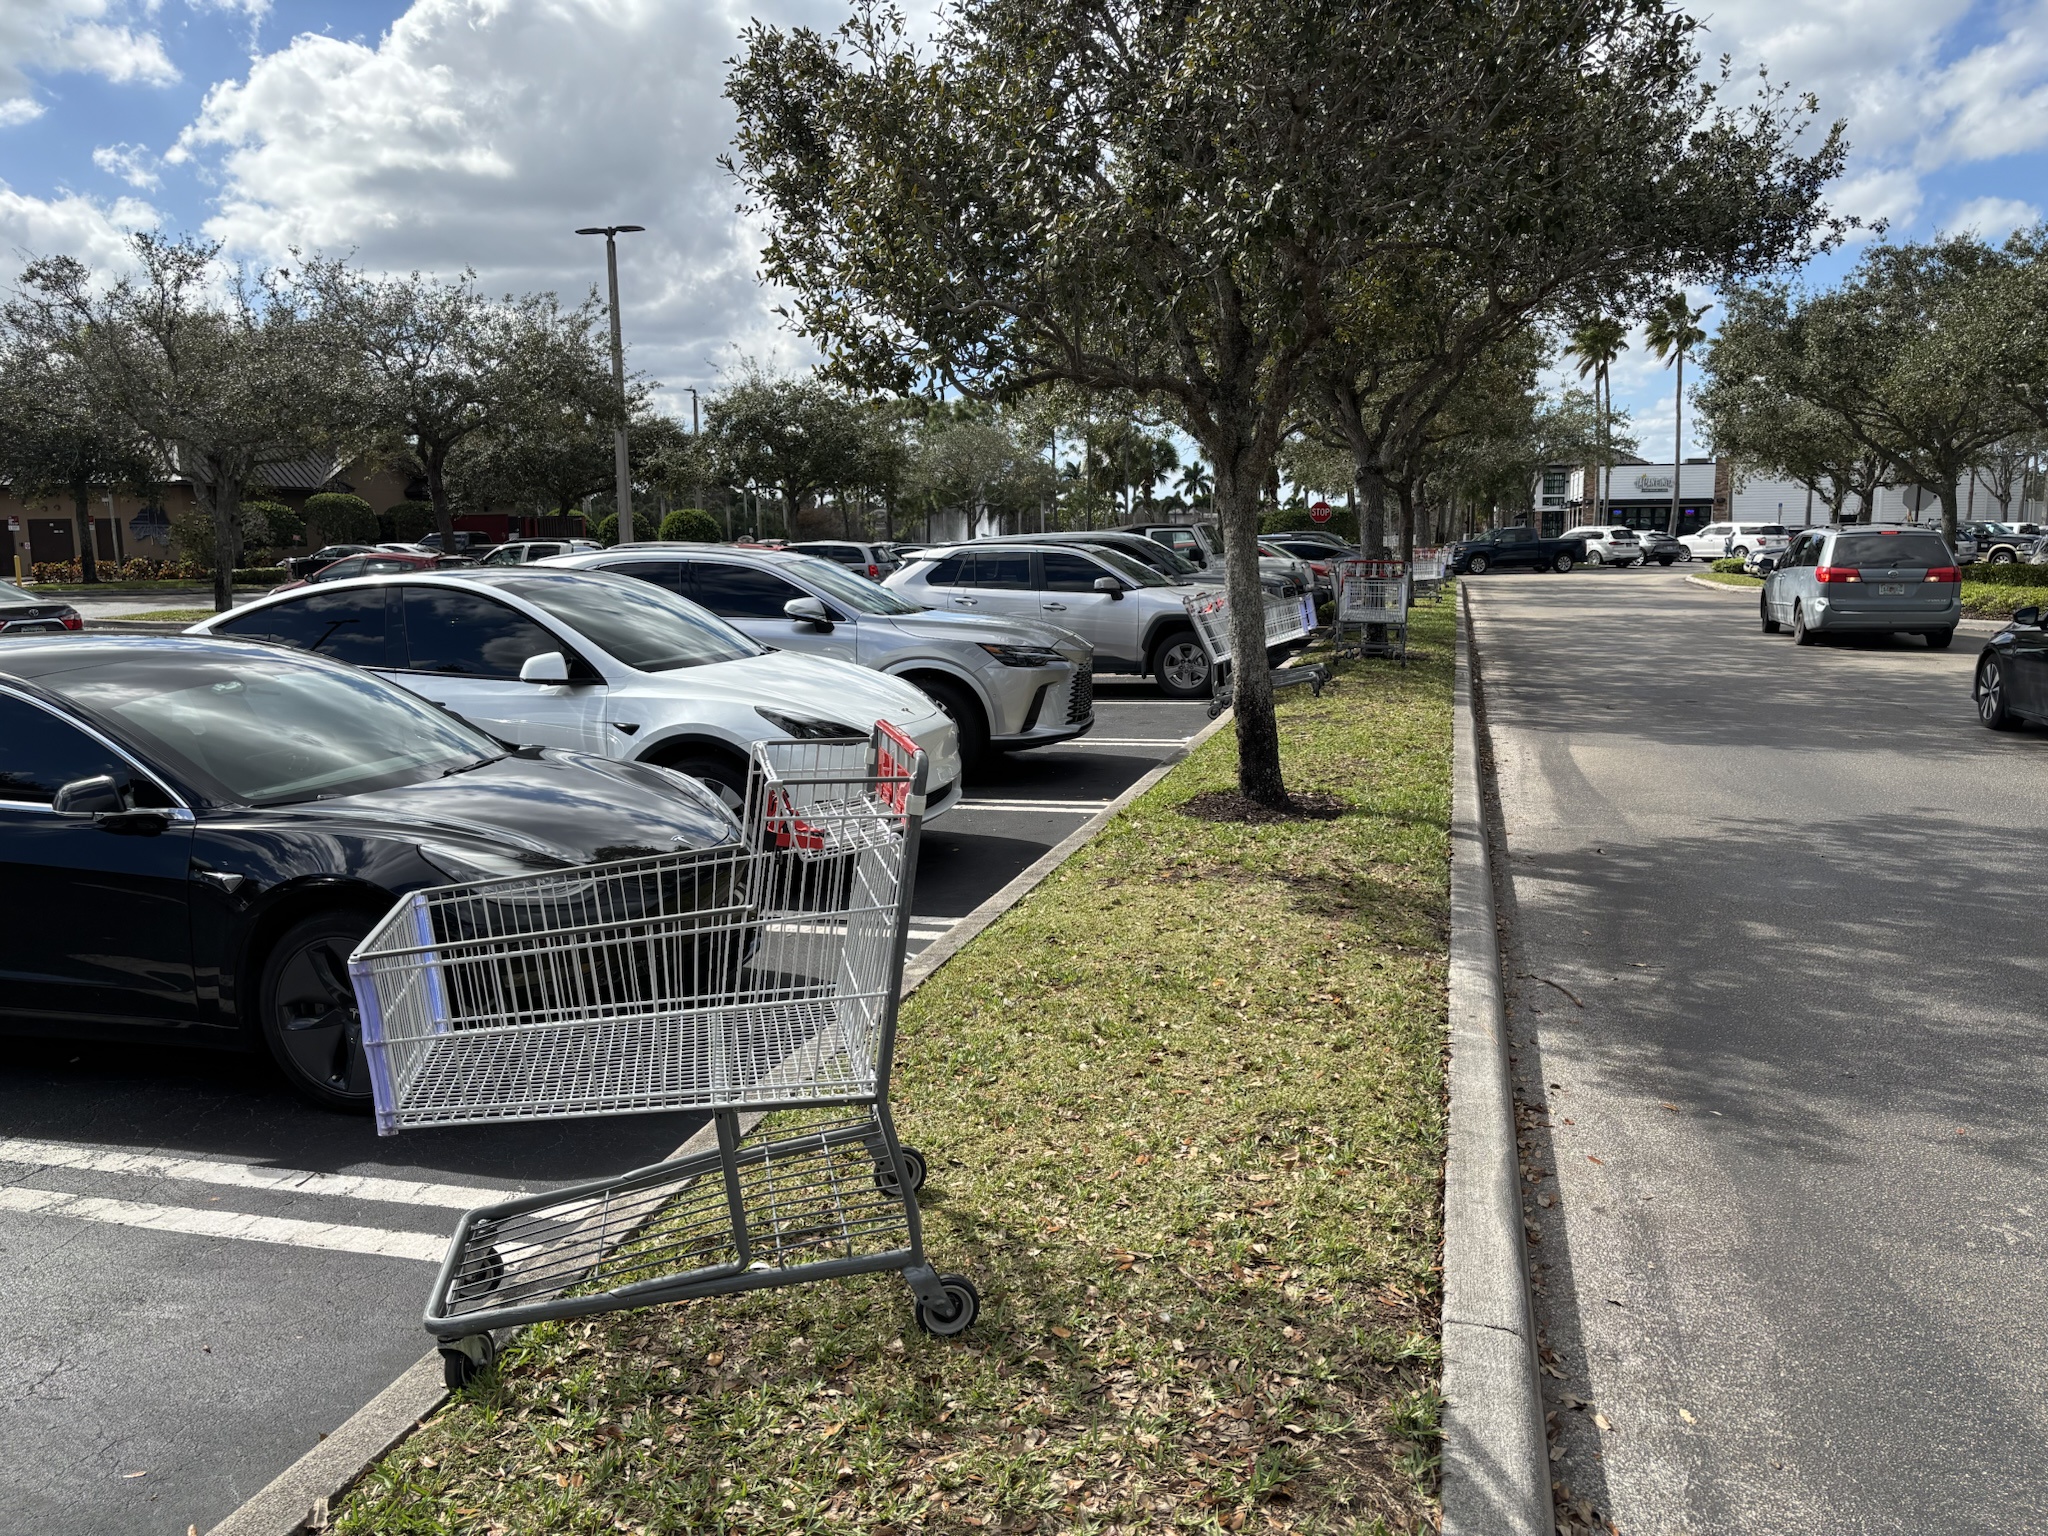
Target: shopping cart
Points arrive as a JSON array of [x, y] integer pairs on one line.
[[1209, 612], [758, 981], [1426, 575], [1372, 595]]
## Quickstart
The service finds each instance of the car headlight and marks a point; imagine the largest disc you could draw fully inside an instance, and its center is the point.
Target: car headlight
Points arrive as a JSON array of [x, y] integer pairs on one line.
[[1024, 655], [804, 728], [464, 865]]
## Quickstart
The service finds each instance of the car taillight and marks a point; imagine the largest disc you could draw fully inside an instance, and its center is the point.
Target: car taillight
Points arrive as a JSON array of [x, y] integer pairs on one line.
[[1943, 573], [874, 572], [73, 621], [1836, 573]]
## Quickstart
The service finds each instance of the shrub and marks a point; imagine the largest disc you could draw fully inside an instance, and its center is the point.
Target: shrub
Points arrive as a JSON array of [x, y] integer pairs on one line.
[[1734, 566], [260, 576], [607, 531], [341, 518], [2014, 575], [686, 525], [265, 523], [127, 570], [409, 520]]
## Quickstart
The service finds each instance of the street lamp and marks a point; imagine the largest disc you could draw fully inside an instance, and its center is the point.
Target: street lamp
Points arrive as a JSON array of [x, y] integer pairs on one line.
[[611, 232]]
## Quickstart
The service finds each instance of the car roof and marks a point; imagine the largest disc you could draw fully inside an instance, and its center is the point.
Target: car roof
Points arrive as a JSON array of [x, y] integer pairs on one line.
[[28, 659], [674, 547]]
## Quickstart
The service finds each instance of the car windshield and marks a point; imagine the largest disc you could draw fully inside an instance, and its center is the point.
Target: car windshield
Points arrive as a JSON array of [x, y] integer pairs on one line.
[[1914, 549], [263, 729], [1124, 565], [637, 623], [851, 589]]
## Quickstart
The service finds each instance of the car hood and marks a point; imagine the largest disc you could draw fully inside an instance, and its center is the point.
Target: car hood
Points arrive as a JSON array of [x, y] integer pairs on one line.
[[793, 683], [934, 624], [545, 809]]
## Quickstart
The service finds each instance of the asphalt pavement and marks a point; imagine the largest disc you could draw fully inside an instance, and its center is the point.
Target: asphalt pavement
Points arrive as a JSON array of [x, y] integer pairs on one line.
[[200, 1277], [1776, 979]]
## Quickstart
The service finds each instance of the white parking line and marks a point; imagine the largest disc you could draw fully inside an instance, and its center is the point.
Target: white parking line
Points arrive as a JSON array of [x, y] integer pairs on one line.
[[57, 1154], [377, 1241], [1126, 741], [1061, 807]]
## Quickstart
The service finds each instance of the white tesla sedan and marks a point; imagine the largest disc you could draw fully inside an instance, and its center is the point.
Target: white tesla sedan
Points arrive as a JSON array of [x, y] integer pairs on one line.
[[595, 663]]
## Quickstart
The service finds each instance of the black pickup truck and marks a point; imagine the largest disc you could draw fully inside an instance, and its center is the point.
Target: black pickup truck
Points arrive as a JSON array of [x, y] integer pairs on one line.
[[1500, 549]]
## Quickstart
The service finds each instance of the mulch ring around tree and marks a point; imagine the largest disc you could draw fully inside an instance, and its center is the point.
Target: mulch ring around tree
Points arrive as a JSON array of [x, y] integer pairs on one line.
[[1230, 805]]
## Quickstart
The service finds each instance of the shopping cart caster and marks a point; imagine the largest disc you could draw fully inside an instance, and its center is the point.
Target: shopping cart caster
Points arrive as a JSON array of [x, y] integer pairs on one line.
[[463, 1360], [479, 1277], [885, 1176], [962, 1305]]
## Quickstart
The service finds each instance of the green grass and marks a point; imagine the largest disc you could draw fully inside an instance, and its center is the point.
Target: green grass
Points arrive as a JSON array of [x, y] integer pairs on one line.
[[1185, 1112], [131, 588], [1997, 600], [166, 615], [1729, 578]]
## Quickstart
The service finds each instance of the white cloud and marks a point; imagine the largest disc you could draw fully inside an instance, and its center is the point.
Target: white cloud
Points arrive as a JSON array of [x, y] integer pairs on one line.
[[482, 133], [95, 232], [88, 36], [1993, 218], [133, 163]]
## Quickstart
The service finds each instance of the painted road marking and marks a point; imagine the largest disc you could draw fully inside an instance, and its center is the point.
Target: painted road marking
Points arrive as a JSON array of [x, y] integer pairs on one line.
[[1124, 741], [57, 1154], [377, 1241], [1058, 807]]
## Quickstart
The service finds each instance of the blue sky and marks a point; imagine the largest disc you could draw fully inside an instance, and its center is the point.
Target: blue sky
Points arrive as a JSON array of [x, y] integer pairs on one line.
[[444, 134]]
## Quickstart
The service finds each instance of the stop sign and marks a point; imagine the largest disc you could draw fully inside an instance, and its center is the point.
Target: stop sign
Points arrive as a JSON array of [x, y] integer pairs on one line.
[[1319, 513]]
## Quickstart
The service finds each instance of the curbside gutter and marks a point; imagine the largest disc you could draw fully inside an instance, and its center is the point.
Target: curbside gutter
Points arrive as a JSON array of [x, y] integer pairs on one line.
[[297, 1499], [1496, 1462]]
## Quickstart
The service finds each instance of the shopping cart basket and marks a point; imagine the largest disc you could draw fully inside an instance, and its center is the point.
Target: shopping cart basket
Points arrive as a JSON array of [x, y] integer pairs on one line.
[[756, 980], [1372, 595], [1209, 612], [1426, 575]]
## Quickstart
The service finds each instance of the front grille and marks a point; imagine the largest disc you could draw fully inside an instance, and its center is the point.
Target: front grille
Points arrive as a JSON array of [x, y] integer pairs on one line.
[[1081, 696]]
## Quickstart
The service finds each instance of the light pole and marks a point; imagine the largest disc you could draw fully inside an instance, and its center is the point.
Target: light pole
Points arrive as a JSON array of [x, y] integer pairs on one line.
[[611, 232]]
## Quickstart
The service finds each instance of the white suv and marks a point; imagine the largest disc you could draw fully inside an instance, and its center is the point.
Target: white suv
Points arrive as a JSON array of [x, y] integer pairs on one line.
[[1610, 545], [1735, 541]]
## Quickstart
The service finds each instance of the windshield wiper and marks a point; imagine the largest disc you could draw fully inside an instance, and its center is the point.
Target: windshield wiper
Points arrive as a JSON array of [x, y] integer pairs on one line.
[[482, 762]]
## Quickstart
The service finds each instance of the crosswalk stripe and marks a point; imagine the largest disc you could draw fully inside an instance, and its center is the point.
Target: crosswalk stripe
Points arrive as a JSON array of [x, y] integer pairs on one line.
[[1062, 807], [1124, 741], [377, 1241], [346, 1186]]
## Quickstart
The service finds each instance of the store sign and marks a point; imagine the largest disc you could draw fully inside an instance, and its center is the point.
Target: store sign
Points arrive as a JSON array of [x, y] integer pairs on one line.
[[1649, 484], [1319, 513]]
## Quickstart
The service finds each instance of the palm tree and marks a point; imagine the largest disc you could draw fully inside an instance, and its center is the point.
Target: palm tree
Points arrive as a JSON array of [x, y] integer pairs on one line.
[[1195, 483], [1673, 327], [1596, 343]]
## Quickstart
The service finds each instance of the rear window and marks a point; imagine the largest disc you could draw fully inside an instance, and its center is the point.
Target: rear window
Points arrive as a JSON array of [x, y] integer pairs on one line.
[[1768, 528], [1918, 549]]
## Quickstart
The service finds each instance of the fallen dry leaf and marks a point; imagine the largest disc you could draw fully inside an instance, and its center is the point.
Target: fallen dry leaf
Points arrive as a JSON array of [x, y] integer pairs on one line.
[[1672, 1107], [126, 1475], [1687, 1417], [1592, 1159], [1600, 1419]]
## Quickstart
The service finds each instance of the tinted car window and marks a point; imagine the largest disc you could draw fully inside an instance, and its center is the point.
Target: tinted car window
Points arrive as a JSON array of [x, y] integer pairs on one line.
[[637, 623], [467, 635], [740, 591], [953, 571], [1009, 571], [1071, 573], [666, 574], [40, 754], [349, 626], [341, 570], [1917, 549]]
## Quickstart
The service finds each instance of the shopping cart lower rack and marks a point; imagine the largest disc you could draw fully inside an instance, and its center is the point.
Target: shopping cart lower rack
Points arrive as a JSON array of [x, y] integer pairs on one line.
[[758, 981]]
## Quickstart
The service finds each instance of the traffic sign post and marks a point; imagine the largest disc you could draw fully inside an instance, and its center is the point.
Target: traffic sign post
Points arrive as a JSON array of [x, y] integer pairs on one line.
[[1319, 513]]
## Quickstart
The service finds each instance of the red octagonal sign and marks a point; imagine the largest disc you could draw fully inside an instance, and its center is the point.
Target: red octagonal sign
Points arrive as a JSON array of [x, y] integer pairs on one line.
[[1319, 513]]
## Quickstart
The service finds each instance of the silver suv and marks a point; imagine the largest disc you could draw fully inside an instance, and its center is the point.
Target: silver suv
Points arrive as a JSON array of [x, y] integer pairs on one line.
[[1007, 683], [1868, 581], [1129, 613]]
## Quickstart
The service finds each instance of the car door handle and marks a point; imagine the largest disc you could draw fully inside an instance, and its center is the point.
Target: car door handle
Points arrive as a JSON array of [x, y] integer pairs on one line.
[[968, 602], [1055, 607]]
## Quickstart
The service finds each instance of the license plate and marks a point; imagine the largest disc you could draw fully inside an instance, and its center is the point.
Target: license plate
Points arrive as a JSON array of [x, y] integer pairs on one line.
[[1891, 589]]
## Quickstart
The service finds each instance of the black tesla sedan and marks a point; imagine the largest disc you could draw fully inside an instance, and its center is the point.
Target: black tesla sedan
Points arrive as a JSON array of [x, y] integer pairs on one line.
[[195, 833]]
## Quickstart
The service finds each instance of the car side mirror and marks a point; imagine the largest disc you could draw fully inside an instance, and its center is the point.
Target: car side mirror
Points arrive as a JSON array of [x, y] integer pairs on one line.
[[2025, 618], [1112, 586], [88, 797], [547, 667], [808, 610]]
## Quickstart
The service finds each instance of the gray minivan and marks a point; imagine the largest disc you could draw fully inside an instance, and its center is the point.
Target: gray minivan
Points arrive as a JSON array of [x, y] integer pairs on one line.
[[1865, 580]]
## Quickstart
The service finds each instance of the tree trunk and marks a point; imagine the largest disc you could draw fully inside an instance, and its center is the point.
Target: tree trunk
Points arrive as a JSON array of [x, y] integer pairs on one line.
[[1677, 438], [1405, 493], [88, 547], [437, 493], [225, 496], [1258, 732], [1946, 490], [1374, 486]]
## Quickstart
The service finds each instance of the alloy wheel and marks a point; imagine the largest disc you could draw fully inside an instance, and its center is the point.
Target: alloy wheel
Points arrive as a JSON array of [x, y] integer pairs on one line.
[[317, 1019]]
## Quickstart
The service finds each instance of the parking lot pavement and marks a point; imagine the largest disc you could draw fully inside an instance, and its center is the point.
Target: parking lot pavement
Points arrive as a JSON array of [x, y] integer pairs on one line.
[[1775, 971], [203, 1276]]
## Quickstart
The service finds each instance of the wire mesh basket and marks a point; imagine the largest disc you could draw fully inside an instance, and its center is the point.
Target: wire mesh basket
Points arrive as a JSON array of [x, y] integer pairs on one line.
[[1373, 596], [756, 974]]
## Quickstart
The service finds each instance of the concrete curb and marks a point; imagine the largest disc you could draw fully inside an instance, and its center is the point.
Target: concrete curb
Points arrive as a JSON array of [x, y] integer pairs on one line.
[[297, 1499], [1496, 1463]]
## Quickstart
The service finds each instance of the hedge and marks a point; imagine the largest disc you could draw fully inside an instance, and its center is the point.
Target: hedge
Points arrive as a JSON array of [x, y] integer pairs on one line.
[[2015, 575], [1727, 567], [687, 525]]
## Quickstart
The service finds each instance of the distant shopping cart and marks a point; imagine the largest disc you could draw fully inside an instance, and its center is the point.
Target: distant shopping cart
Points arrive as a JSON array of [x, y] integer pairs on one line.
[[758, 981], [1287, 620], [1426, 575], [1372, 599]]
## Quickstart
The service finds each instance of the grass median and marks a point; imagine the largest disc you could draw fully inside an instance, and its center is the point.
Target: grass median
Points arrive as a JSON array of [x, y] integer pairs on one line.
[[1184, 1107]]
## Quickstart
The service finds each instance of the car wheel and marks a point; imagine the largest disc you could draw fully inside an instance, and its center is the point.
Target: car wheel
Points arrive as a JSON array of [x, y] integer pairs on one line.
[[1992, 708], [1181, 667], [964, 710], [1940, 639], [1738, 553], [1667, 559], [307, 1007], [724, 777], [1801, 635], [1561, 564], [1476, 566], [1764, 609], [2002, 557], [1594, 557]]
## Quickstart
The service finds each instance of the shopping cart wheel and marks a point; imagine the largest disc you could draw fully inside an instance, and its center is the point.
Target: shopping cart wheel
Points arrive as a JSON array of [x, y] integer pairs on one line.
[[479, 1276], [463, 1360], [963, 1306], [885, 1177]]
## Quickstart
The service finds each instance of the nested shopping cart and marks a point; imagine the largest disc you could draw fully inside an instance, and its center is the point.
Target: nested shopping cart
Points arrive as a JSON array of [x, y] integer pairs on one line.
[[1287, 620], [1426, 575], [758, 981], [1372, 597]]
